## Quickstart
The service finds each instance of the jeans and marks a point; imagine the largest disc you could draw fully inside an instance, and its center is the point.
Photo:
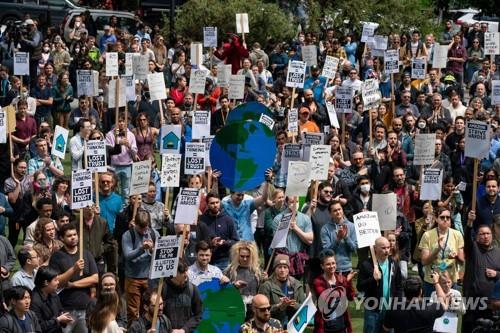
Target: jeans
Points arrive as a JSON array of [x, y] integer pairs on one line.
[[78, 325], [134, 288], [373, 321], [124, 173]]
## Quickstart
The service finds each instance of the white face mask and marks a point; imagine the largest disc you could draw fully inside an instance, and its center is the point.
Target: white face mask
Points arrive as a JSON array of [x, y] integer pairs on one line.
[[46, 49], [365, 188]]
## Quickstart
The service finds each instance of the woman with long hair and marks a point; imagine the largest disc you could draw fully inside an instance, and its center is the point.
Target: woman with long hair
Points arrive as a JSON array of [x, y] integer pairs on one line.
[[45, 235], [63, 96], [145, 137], [244, 271], [339, 154], [103, 318], [475, 55], [108, 283], [342, 284], [45, 302], [477, 105], [178, 69], [60, 194]]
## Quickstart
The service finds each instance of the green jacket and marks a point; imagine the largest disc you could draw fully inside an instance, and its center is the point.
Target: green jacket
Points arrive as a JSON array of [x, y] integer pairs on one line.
[[272, 289]]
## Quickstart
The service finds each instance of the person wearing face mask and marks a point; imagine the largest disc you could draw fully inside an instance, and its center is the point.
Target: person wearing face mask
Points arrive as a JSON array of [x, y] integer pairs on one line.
[[76, 143], [46, 56]]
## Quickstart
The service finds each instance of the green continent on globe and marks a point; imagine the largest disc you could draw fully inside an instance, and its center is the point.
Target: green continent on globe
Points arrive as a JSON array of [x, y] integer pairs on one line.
[[246, 167], [226, 138]]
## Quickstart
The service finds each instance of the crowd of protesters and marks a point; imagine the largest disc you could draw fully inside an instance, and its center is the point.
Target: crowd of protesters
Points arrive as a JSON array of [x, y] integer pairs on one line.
[[440, 250]]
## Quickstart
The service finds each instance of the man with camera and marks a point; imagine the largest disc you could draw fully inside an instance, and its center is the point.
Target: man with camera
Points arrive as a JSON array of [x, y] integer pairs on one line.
[[31, 42]]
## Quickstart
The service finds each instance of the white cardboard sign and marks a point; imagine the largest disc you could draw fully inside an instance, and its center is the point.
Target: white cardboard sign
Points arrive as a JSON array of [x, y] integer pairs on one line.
[[242, 23], [194, 162], [81, 189], [299, 176], [170, 170], [477, 139], [201, 124], [141, 175], [21, 63], [111, 64], [432, 181], [425, 148], [296, 74], [187, 206], [165, 257], [60, 142], [367, 228], [96, 155]]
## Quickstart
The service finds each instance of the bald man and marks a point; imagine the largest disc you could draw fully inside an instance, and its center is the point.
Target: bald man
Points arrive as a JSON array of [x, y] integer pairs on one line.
[[261, 321], [379, 285]]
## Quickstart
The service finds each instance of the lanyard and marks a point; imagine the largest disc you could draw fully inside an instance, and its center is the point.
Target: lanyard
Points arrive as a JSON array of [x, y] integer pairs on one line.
[[445, 243]]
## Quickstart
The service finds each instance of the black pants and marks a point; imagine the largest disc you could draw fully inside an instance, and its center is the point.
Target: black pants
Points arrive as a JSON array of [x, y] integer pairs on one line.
[[14, 230]]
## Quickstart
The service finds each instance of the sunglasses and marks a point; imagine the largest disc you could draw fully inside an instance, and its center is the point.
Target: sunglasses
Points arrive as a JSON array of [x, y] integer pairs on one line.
[[445, 217], [264, 309]]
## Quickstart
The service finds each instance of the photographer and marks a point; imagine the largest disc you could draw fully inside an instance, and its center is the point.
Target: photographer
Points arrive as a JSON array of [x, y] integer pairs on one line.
[[31, 42]]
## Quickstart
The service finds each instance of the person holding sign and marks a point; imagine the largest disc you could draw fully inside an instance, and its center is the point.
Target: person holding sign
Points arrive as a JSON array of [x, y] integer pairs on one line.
[[413, 49], [76, 275], [26, 128], [143, 323], [442, 249], [84, 110], [300, 237], [284, 301], [77, 143], [379, 285], [137, 244], [44, 162], [123, 161]]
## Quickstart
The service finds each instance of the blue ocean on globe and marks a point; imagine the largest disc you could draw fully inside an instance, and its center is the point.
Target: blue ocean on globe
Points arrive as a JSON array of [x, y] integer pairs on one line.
[[242, 151]]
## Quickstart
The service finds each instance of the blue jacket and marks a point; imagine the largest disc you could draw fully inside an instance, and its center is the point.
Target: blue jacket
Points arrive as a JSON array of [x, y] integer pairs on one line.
[[110, 206], [316, 88], [344, 248], [137, 260]]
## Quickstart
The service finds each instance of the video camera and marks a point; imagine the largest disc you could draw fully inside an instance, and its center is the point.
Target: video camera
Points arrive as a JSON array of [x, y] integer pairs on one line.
[[16, 30]]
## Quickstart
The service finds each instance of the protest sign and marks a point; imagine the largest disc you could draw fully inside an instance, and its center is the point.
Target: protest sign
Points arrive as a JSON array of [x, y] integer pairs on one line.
[[196, 54], [242, 23], [194, 162], [165, 257], [291, 152], [424, 149], [96, 155], [223, 74], [293, 120], [122, 94], [447, 323], [330, 67], [141, 66], [197, 81], [130, 88], [431, 184], [303, 316], [319, 160], [187, 206], [170, 170], [111, 63], [141, 175], [170, 139], [21, 63], [201, 124], [156, 83], [418, 68], [491, 43], [462, 186], [332, 115], [308, 139], [129, 64], [87, 83], [495, 92], [477, 139], [371, 94], [440, 56], [3, 126], [368, 30], [281, 233], [391, 61], [10, 114], [367, 228], [299, 176], [81, 189], [380, 42], [210, 36], [266, 120], [296, 74], [386, 207], [343, 99], [310, 55], [236, 87], [207, 140], [59, 142]]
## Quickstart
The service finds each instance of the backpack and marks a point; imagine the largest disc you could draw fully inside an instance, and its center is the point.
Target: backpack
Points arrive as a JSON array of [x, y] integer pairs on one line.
[[132, 236]]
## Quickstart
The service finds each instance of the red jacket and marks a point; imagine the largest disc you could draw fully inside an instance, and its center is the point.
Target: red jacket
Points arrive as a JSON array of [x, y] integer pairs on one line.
[[320, 285], [178, 96], [210, 102], [233, 54]]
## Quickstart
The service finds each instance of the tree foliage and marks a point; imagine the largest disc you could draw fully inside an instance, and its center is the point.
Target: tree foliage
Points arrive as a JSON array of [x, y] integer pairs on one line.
[[265, 19]]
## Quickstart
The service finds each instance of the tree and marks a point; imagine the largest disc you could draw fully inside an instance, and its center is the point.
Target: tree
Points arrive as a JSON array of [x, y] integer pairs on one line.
[[265, 19]]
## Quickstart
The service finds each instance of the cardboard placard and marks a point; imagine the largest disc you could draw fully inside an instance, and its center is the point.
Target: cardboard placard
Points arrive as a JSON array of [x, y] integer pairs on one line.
[[242, 23], [299, 176], [367, 228], [141, 176], [194, 162], [201, 124], [310, 55], [477, 139], [197, 81], [81, 189], [96, 155], [432, 181], [187, 206], [170, 170], [386, 207], [296, 74], [111, 63], [156, 83], [165, 257], [391, 61], [371, 94], [330, 67], [210, 36], [343, 99], [425, 148], [281, 233], [236, 87], [59, 142]]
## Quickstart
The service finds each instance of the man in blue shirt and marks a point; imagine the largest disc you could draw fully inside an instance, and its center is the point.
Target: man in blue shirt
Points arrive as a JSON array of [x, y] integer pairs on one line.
[[240, 208], [110, 202], [317, 84], [107, 38]]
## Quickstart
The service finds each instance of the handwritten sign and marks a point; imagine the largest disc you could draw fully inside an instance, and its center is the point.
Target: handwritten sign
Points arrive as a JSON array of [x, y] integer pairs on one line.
[[319, 160], [156, 83], [170, 170], [386, 207], [111, 64], [141, 175], [367, 228], [491, 43], [310, 54], [330, 67], [236, 87], [424, 149], [371, 94], [197, 81], [299, 176]]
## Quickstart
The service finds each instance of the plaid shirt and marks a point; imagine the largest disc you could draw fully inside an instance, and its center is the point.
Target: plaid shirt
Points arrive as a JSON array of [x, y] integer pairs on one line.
[[37, 163], [250, 327]]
